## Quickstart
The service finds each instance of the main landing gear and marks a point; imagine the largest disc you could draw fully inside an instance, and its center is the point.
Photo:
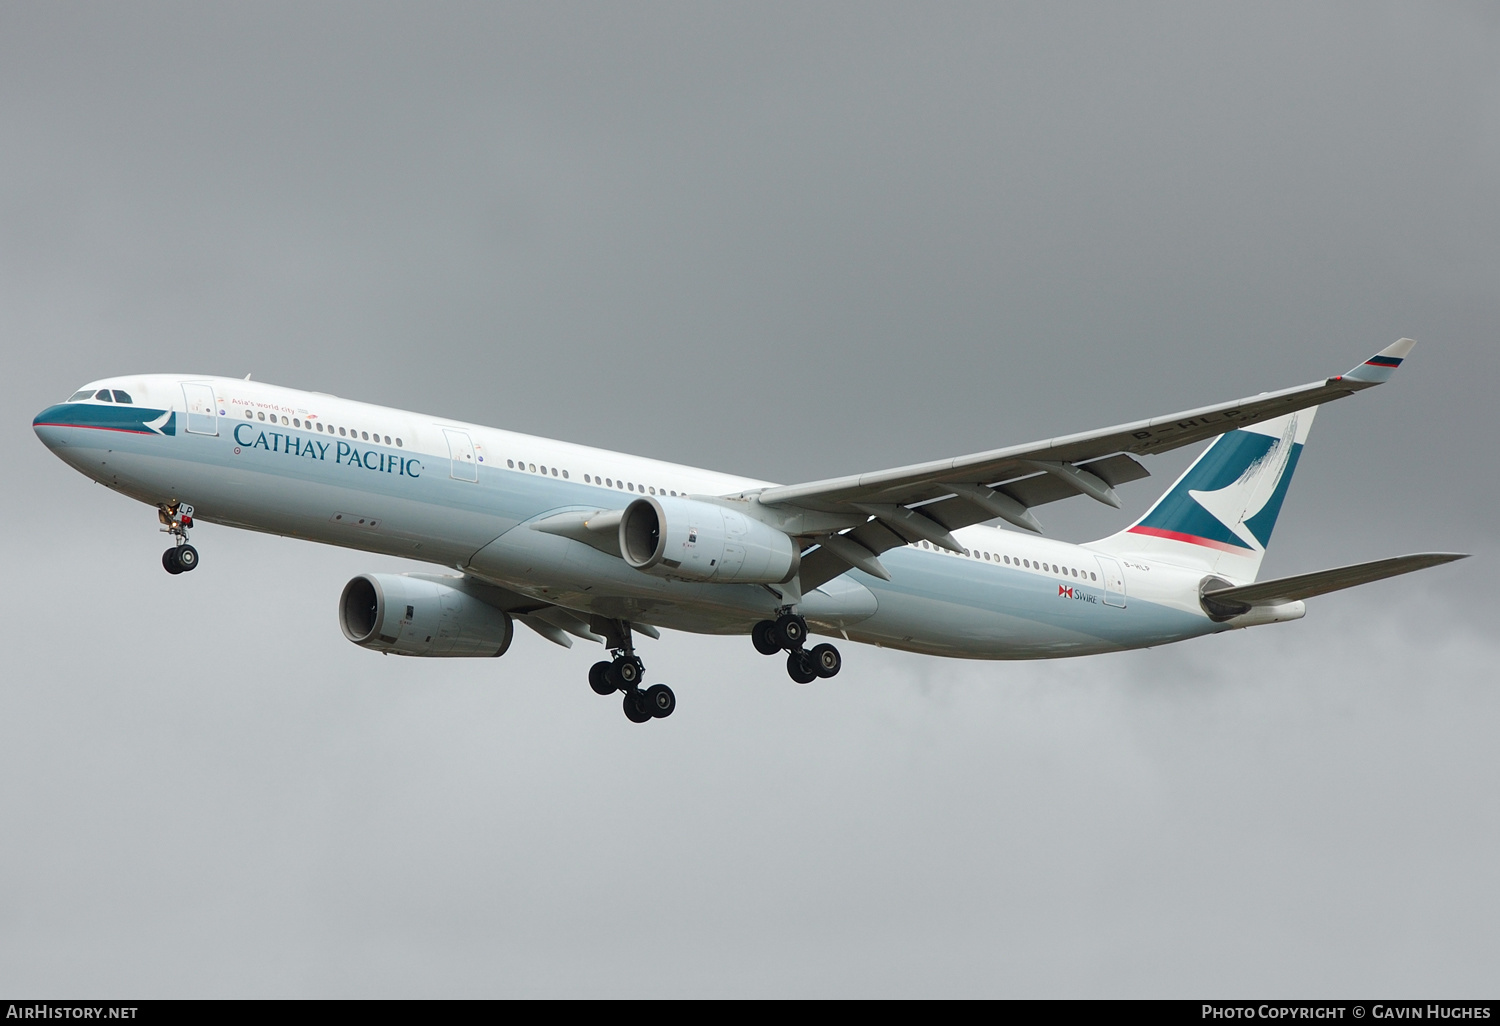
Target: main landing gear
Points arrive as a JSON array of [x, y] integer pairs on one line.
[[624, 674], [176, 517], [786, 634]]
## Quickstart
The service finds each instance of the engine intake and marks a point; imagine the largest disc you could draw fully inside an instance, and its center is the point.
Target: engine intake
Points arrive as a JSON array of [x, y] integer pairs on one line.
[[703, 541], [421, 615]]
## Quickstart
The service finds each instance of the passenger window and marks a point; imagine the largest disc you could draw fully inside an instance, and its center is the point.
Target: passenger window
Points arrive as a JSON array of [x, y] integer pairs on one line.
[[320, 425], [554, 471], [122, 397], [341, 431], [565, 475], [544, 471], [511, 464], [260, 415], [296, 423], [387, 439], [533, 468], [249, 414], [364, 434], [398, 443], [103, 394]]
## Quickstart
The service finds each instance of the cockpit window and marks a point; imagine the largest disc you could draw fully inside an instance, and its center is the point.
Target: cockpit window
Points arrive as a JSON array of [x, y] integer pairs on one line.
[[103, 394], [122, 397], [87, 393]]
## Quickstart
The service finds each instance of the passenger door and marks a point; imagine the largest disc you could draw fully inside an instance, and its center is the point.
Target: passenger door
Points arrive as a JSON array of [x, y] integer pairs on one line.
[[202, 408], [461, 452], [1114, 582]]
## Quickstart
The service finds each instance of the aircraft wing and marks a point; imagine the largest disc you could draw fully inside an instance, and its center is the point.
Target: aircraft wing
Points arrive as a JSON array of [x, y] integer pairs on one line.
[[926, 501]]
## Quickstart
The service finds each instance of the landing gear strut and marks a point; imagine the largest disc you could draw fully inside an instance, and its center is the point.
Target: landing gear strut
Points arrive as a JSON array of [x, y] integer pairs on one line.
[[624, 673], [176, 517], [786, 634]]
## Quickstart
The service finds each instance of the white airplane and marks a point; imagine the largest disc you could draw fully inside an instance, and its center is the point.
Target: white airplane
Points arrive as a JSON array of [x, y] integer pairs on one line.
[[579, 542]]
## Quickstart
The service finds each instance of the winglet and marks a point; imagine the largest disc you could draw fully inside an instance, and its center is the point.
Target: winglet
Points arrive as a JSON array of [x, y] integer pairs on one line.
[[1383, 364]]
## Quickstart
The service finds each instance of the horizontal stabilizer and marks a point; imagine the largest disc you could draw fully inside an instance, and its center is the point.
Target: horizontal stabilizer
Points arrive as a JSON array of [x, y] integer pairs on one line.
[[1228, 600]]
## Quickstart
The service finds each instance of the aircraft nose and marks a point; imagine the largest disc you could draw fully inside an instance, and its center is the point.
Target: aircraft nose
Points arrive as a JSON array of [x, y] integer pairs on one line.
[[49, 425]]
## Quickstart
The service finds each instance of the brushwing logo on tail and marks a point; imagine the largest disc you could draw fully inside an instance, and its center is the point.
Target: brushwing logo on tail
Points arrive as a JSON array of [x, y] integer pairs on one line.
[[1230, 498]]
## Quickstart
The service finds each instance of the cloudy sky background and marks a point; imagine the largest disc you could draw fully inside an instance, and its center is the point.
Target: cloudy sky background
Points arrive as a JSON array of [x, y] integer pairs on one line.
[[790, 242]]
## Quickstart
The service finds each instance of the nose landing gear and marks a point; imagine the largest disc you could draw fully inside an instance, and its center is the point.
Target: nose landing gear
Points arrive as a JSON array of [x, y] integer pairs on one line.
[[786, 634], [176, 517]]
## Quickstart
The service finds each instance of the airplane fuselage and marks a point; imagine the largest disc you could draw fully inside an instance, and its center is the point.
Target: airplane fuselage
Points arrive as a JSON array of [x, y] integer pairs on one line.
[[325, 469]]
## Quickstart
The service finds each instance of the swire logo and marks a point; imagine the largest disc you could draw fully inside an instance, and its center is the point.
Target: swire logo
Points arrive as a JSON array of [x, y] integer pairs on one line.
[[1064, 591]]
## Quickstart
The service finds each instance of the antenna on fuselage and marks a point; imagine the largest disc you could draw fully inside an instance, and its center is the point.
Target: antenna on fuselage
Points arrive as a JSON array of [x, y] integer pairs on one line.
[[247, 377]]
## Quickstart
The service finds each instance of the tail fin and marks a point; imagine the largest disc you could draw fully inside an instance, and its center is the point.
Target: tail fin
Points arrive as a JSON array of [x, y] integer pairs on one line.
[[1219, 515]]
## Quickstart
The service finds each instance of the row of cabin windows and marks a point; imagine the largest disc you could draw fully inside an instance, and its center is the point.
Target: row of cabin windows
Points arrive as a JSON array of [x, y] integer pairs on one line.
[[320, 426], [532, 467], [595, 479], [995, 557], [102, 395]]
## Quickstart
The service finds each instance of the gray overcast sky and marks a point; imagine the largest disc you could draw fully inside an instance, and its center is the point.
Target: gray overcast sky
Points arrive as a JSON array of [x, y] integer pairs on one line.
[[790, 241]]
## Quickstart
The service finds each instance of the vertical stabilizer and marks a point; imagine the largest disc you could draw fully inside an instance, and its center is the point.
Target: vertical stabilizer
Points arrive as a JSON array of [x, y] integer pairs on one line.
[[1219, 515]]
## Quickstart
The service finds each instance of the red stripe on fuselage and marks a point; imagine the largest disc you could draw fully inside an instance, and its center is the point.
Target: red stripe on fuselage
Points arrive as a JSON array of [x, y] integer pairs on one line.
[[1191, 539], [97, 427]]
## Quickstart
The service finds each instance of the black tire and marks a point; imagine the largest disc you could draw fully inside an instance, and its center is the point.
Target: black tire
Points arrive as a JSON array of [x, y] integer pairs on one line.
[[599, 679], [187, 558], [660, 701], [799, 667], [826, 661], [626, 673], [791, 631], [169, 562], [635, 708], [764, 636]]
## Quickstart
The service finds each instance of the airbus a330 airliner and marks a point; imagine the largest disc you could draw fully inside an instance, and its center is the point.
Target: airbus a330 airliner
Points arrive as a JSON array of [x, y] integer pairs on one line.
[[577, 542]]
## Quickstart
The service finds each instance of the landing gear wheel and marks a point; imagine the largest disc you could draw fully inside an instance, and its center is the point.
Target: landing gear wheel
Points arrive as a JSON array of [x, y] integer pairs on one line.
[[799, 666], [187, 558], [169, 562], [635, 707], [826, 661], [625, 673], [764, 636], [660, 701], [599, 679], [791, 631]]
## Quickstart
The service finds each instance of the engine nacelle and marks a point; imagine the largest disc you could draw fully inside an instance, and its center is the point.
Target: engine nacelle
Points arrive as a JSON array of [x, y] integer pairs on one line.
[[421, 615], [702, 541]]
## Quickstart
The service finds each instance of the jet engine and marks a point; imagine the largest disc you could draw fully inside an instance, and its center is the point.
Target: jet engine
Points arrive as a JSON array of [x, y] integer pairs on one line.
[[421, 615], [702, 541]]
